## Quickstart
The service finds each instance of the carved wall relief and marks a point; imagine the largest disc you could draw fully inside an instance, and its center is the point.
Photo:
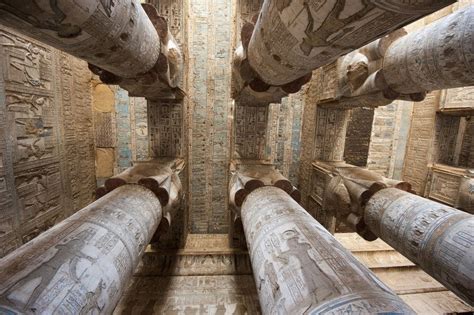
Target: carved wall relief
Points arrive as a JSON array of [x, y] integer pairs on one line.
[[47, 157]]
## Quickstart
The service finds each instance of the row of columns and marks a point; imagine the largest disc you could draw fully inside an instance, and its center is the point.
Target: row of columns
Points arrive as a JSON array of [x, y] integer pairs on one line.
[[83, 263], [124, 42], [300, 268], [290, 40], [400, 66]]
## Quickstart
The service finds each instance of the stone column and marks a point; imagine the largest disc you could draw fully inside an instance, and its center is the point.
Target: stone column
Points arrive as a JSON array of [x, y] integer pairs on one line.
[[438, 238], [116, 36], [300, 268], [291, 38], [83, 264], [438, 56]]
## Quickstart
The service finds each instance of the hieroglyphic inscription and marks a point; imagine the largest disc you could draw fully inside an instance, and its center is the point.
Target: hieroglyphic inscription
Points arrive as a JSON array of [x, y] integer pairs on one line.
[[174, 13], [331, 128], [124, 142], [219, 294], [77, 136], [288, 136], [458, 99], [140, 145], [420, 142], [250, 131], [210, 32], [184, 264], [438, 238], [104, 130], [166, 128], [358, 136], [31, 162], [39, 120], [292, 38]]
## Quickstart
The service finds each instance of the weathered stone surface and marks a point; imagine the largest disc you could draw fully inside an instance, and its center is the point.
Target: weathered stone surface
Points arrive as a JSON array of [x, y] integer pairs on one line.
[[420, 142], [308, 132], [103, 98], [382, 138], [438, 238], [451, 185], [206, 276], [120, 41], [341, 190], [116, 36], [161, 176], [46, 138], [209, 33], [423, 293], [166, 128], [251, 123], [104, 159], [84, 263], [465, 199], [358, 136], [293, 38], [331, 127], [299, 266], [457, 100], [104, 127], [248, 177], [219, 294], [438, 56]]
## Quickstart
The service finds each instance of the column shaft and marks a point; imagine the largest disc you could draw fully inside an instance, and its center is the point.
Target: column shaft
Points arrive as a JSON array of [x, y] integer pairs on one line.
[[83, 264], [300, 268], [438, 238], [116, 36], [438, 56]]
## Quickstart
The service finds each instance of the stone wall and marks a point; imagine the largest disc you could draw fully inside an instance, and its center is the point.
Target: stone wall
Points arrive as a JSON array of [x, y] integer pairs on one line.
[[308, 134], [359, 129], [46, 138], [205, 277], [121, 130], [420, 140], [388, 139], [288, 140], [219, 294]]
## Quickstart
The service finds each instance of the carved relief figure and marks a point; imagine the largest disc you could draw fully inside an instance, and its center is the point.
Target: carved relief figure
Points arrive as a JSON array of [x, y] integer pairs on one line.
[[331, 25], [92, 305], [30, 65], [271, 275], [30, 129], [31, 104], [67, 253], [316, 281], [54, 22]]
